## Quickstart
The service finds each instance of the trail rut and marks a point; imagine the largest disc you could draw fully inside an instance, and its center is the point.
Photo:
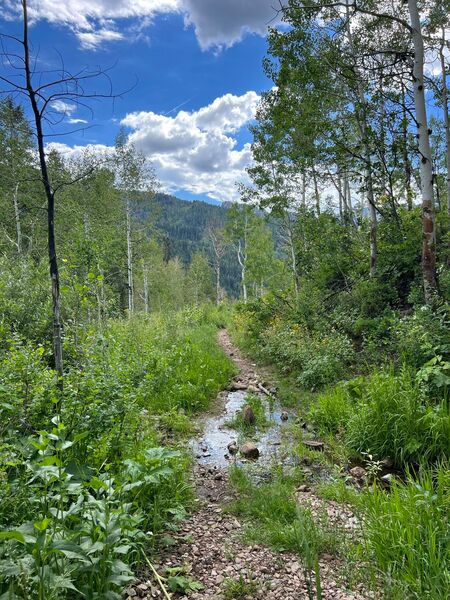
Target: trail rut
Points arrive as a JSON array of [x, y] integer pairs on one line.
[[208, 545]]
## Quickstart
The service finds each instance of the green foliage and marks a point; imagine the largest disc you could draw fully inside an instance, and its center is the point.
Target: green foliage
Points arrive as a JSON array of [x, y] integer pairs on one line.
[[392, 417], [332, 410], [237, 589], [319, 359], [179, 581], [275, 519], [81, 502], [387, 415], [407, 534], [261, 422]]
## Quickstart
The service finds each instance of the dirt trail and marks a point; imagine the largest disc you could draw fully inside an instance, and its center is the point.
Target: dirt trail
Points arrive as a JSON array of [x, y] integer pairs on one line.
[[208, 544]]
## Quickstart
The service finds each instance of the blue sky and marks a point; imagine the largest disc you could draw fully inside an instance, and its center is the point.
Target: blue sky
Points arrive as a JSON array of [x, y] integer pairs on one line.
[[196, 68]]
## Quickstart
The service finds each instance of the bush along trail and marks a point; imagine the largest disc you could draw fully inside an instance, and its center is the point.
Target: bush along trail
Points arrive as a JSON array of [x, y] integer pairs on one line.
[[259, 530]]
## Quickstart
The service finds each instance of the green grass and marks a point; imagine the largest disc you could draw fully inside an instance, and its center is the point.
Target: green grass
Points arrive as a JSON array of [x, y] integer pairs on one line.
[[274, 518], [407, 534], [97, 473], [236, 589], [261, 421]]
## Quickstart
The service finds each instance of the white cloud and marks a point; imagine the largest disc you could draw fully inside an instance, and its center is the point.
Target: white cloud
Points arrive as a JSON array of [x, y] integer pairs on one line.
[[60, 106], [90, 40], [76, 121], [217, 23], [196, 151], [220, 23], [192, 151]]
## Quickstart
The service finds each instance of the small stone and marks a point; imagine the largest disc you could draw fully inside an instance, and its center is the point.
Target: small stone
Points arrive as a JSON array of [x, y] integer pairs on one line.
[[387, 463], [232, 448], [303, 488], [248, 416], [388, 479], [284, 415], [143, 587], [237, 386], [314, 444], [249, 450], [358, 472]]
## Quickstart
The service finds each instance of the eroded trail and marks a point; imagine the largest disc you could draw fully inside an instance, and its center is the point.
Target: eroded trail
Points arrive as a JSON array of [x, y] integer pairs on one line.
[[208, 545]]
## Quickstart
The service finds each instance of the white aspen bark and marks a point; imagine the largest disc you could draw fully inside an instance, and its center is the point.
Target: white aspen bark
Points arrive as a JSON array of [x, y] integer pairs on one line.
[[446, 116], [129, 259], [17, 218], [341, 193], [304, 189], [145, 282], [361, 118], [290, 237], [426, 168], [242, 262], [406, 161], [316, 192]]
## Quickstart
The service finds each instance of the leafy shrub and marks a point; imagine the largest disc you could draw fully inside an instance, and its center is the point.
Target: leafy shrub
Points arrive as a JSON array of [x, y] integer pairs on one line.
[[423, 335], [86, 535], [393, 418], [406, 531], [318, 359]]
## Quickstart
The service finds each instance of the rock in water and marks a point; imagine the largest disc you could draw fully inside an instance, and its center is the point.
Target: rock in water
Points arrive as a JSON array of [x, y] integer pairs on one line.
[[248, 416], [232, 448], [284, 415], [249, 450]]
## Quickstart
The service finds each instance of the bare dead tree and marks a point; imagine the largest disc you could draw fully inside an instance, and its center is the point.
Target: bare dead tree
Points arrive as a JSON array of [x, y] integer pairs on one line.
[[40, 90]]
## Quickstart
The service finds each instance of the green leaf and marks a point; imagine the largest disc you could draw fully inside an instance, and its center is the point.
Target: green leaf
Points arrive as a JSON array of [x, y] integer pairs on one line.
[[12, 535]]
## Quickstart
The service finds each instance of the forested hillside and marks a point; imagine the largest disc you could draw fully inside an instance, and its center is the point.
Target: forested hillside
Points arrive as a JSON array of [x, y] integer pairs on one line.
[[246, 401], [184, 230]]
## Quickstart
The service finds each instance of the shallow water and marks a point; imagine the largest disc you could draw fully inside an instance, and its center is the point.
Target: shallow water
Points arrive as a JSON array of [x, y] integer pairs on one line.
[[211, 447]]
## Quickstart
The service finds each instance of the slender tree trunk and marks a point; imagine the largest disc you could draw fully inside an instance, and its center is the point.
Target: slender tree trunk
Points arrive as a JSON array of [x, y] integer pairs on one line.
[[426, 168], [129, 260], [446, 117], [290, 238], [348, 196], [17, 219], [340, 198], [53, 261], [145, 281], [304, 188], [218, 282], [361, 117], [406, 161], [242, 259], [316, 192]]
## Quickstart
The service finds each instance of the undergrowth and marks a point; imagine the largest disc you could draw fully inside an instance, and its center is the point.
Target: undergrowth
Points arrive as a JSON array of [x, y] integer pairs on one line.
[[85, 487]]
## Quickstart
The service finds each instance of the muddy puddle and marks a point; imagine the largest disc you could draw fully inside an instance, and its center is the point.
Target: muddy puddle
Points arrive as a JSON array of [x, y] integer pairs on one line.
[[211, 447]]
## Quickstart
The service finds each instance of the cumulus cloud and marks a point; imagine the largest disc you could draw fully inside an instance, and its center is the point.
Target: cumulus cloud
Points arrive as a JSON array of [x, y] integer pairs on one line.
[[222, 24], [217, 23], [196, 151], [192, 151]]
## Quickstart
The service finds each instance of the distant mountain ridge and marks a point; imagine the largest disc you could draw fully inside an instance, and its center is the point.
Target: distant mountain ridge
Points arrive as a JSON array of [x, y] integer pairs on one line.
[[183, 226]]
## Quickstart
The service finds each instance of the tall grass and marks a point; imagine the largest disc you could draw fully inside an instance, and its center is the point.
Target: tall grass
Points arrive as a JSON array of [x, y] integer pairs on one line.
[[407, 534], [393, 418], [386, 414]]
